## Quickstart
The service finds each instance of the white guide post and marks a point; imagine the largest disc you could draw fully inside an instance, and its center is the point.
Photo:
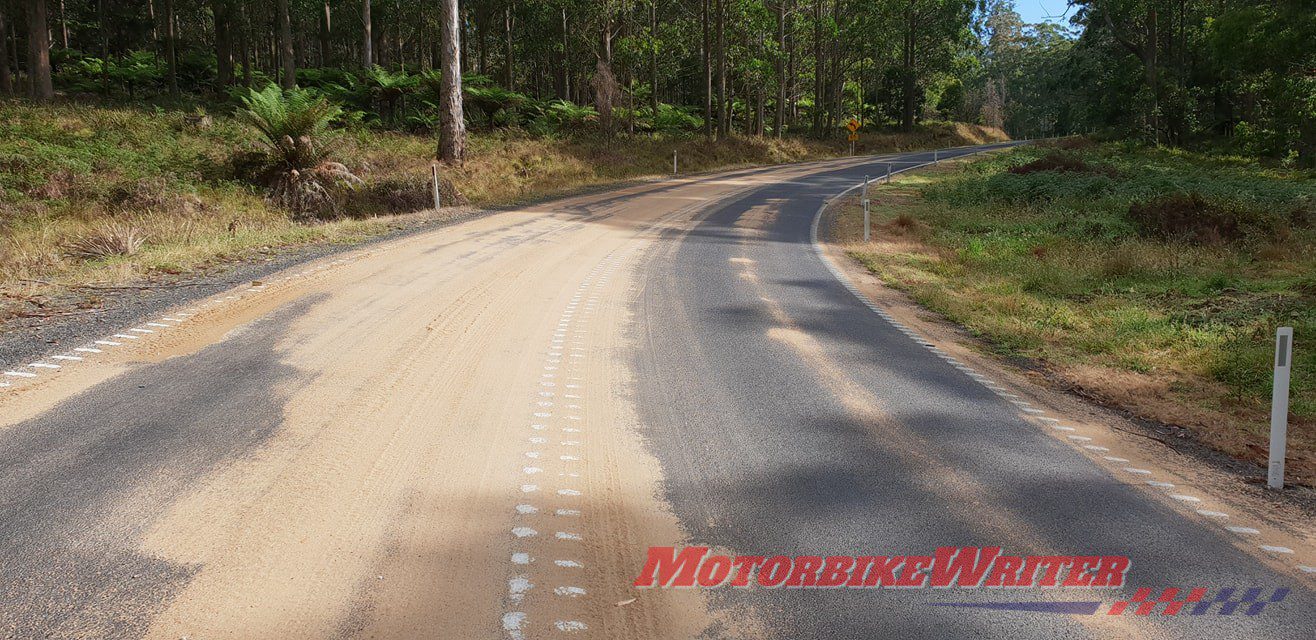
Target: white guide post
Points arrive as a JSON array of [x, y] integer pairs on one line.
[[866, 226], [1279, 407], [434, 182], [865, 201]]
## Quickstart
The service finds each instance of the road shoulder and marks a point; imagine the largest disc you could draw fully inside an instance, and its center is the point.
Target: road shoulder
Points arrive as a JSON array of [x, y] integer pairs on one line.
[[1168, 468]]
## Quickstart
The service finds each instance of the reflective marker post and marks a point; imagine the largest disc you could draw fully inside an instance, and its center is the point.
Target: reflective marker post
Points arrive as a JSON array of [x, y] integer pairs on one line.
[[866, 236], [674, 172], [888, 173], [865, 201], [1279, 406], [434, 180]]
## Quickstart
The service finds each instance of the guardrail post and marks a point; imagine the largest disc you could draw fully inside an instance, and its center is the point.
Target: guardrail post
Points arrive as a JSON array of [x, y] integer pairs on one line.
[[1279, 407]]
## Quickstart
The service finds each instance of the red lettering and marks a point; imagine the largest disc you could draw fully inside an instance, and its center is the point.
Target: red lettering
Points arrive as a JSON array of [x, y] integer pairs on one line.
[[714, 571], [1005, 573], [883, 571], [1079, 574], [664, 564], [745, 565], [968, 563], [1110, 571], [1051, 566], [775, 571], [912, 575], [1027, 575], [835, 571], [862, 563], [805, 573]]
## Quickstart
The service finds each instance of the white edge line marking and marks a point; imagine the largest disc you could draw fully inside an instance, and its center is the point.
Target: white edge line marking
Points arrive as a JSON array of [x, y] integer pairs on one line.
[[849, 285]]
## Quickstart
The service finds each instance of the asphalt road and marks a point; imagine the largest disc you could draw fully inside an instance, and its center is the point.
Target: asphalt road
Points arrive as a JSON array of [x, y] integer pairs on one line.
[[476, 432], [792, 419]]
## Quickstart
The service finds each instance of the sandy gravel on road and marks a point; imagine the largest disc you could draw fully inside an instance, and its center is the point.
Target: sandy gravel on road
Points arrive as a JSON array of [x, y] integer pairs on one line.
[[384, 506]]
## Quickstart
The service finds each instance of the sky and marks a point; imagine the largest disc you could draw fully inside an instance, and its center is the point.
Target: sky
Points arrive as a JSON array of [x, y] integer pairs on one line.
[[1033, 11]]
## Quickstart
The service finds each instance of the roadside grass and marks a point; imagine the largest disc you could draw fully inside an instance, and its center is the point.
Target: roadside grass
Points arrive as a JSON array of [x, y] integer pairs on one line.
[[1150, 279], [75, 175]]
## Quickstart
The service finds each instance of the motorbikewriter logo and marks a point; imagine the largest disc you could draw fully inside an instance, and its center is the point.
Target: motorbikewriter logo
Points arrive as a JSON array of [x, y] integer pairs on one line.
[[948, 568]]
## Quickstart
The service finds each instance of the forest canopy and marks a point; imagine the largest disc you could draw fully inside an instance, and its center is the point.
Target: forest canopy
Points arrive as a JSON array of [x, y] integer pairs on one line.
[[1233, 74]]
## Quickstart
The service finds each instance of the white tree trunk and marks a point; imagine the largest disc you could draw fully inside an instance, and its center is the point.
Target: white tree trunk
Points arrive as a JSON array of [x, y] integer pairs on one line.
[[452, 123]]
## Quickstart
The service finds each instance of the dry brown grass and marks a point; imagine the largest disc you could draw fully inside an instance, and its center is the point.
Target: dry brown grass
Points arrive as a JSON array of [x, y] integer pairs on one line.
[[106, 242], [70, 173], [507, 168]]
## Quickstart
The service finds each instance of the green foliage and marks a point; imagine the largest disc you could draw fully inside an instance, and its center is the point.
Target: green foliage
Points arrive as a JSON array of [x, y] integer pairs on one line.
[[137, 70], [389, 89], [672, 119], [1183, 266], [295, 127], [563, 116], [294, 124], [489, 105]]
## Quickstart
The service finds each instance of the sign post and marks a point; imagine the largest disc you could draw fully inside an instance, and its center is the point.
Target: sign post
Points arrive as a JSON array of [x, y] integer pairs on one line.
[[1279, 407], [853, 126]]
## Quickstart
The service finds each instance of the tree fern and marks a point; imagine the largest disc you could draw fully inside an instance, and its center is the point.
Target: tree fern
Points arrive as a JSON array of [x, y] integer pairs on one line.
[[294, 125]]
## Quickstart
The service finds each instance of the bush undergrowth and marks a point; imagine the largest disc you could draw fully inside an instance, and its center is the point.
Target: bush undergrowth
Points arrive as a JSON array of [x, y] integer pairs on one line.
[[1172, 266]]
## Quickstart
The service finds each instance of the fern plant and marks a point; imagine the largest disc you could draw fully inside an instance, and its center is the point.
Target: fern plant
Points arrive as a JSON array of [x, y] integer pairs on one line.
[[136, 69], [295, 127], [390, 87]]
